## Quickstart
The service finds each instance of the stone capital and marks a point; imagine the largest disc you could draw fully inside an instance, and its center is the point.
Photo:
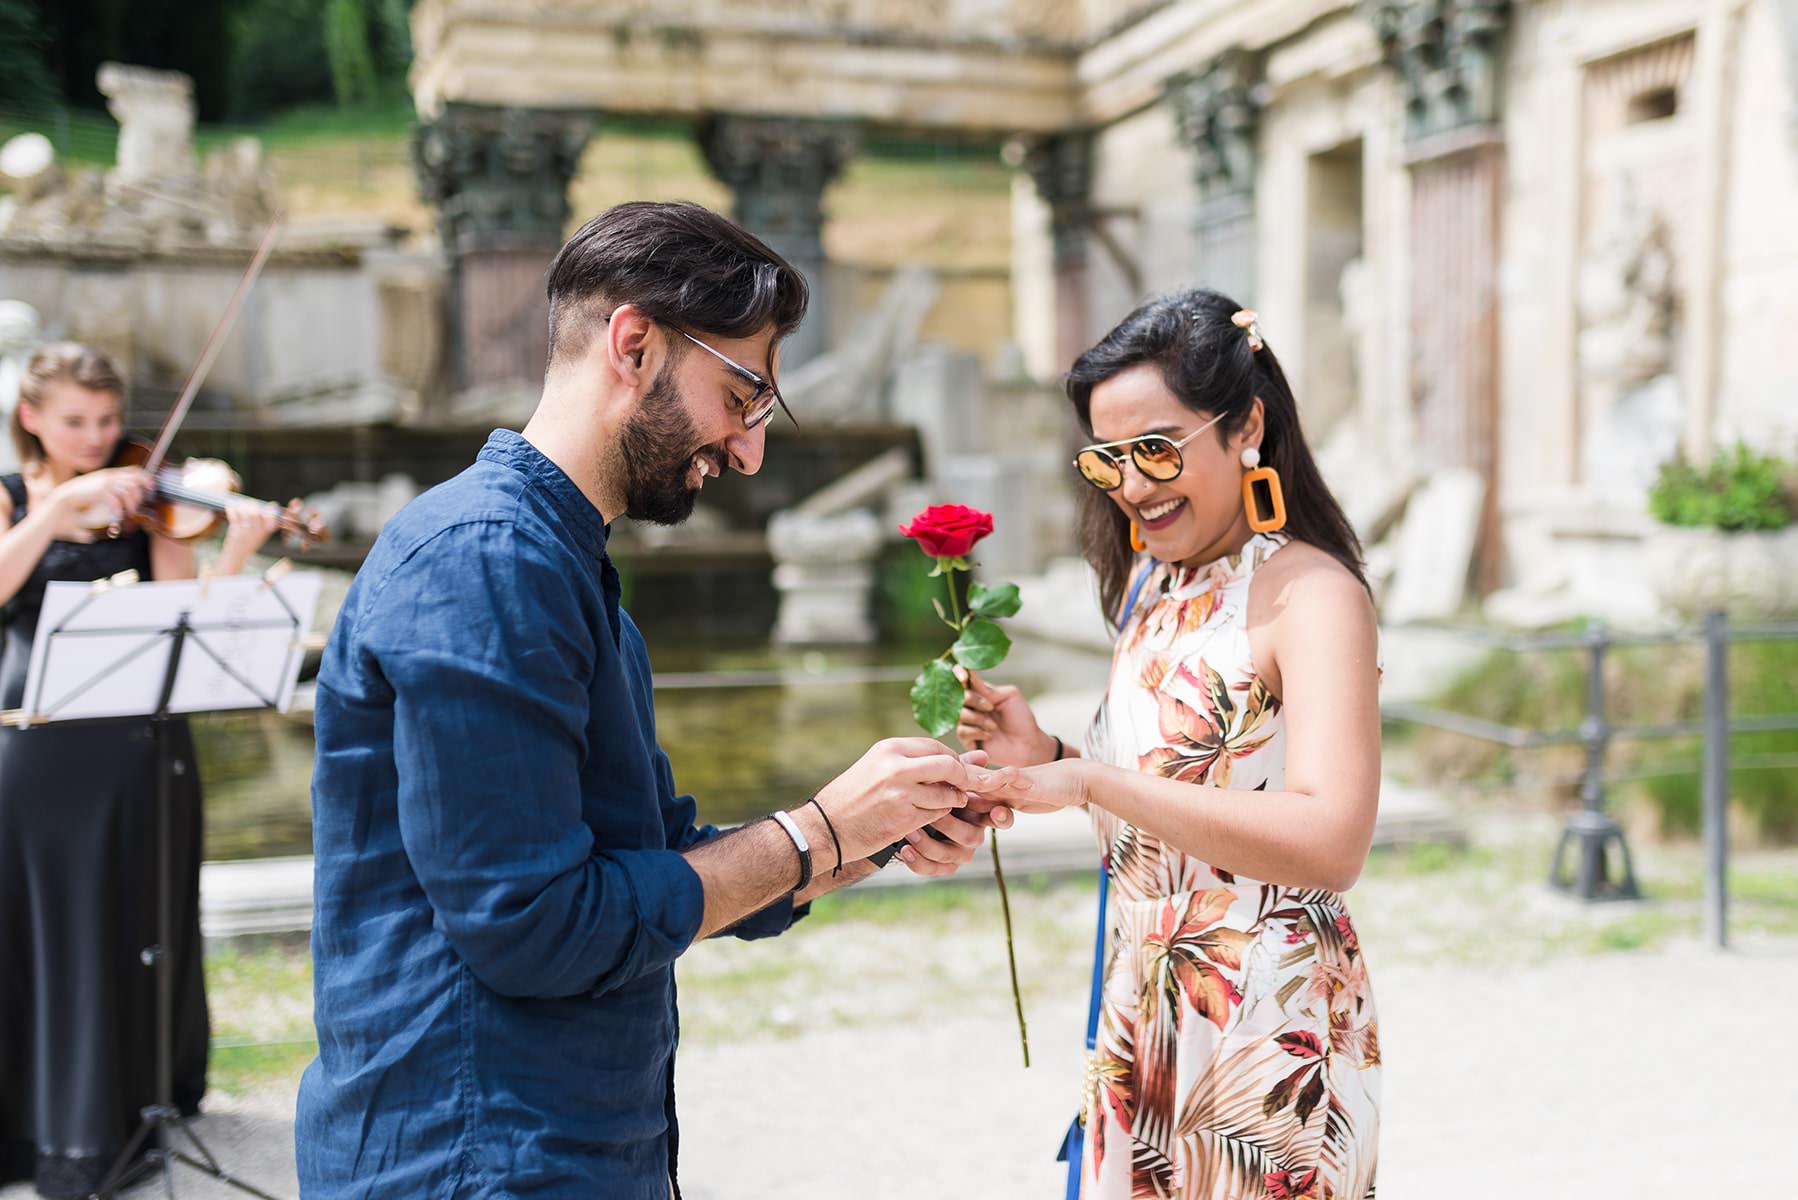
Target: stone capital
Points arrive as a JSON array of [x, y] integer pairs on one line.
[[499, 176], [1062, 169], [777, 169], [1449, 55], [1218, 109]]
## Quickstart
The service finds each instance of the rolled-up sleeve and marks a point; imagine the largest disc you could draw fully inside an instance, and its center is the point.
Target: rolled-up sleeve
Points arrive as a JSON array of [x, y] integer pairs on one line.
[[678, 814], [488, 648]]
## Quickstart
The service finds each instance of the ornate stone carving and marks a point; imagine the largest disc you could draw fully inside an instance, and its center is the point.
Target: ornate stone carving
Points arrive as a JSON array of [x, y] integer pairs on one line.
[[1218, 108], [19, 336], [155, 112], [499, 174], [153, 197], [1062, 169], [777, 169], [1628, 302], [1449, 55]]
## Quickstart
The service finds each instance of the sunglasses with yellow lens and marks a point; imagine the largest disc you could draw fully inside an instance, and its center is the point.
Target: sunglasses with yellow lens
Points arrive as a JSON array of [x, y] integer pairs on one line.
[[1156, 455]]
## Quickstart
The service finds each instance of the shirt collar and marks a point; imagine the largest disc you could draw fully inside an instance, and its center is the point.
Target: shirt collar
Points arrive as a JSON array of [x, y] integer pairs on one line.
[[510, 449]]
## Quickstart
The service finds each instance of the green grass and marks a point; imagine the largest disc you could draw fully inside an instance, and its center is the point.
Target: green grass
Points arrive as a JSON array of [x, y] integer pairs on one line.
[[91, 138], [392, 121], [260, 994], [1547, 691], [238, 1069]]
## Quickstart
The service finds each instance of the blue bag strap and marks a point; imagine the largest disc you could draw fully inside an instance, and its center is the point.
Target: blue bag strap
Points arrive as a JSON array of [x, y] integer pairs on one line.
[[1073, 1145], [1142, 577]]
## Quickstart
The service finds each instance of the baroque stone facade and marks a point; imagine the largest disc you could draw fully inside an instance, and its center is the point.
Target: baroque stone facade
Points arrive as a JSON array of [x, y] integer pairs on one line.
[[1546, 243], [1421, 198]]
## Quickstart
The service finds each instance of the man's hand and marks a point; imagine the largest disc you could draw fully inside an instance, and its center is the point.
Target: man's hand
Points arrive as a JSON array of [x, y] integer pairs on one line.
[[958, 835], [941, 856], [903, 784]]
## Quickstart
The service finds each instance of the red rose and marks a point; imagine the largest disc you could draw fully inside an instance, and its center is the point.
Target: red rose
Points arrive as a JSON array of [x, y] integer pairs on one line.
[[948, 530]]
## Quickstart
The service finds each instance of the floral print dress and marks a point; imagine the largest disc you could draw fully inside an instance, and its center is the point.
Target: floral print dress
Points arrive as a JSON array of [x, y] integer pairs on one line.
[[1238, 1056]]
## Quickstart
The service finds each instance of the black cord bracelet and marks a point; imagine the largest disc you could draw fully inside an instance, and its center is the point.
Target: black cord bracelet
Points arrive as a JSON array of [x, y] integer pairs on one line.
[[833, 835], [1058, 748]]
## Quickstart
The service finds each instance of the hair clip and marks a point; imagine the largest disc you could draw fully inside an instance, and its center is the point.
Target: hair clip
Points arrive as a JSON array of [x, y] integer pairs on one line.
[[1249, 321]]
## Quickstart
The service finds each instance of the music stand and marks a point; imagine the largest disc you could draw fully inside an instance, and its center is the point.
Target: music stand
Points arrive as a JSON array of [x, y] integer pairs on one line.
[[161, 650]]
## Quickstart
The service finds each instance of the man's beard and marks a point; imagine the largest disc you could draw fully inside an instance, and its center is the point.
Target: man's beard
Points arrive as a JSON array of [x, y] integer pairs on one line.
[[656, 451]]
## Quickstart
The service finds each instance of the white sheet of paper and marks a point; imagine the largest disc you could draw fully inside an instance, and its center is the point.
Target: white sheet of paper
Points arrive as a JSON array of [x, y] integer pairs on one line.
[[105, 654]]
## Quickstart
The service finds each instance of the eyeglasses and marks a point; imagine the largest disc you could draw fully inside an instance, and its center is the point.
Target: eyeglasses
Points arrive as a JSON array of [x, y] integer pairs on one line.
[[760, 406], [1156, 456]]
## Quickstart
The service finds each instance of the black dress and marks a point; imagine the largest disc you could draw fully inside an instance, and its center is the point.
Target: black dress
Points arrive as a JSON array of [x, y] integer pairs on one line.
[[78, 906]]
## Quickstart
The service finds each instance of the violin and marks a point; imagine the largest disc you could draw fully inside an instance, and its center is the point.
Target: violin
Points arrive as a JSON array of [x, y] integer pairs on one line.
[[190, 499]]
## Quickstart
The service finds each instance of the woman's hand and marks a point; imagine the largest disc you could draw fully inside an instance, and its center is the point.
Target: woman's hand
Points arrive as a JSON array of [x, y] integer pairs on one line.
[[999, 721], [1056, 785], [248, 524], [97, 499]]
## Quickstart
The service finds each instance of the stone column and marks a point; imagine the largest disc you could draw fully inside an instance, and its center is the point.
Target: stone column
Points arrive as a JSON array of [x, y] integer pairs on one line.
[[777, 169], [1449, 55], [1218, 109], [498, 178], [1062, 168]]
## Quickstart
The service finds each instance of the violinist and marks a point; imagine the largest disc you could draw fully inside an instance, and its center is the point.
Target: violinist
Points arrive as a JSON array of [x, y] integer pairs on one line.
[[78, 805]]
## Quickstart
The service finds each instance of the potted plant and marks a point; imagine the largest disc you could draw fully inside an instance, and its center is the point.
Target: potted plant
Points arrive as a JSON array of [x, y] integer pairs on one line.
[[1727, 538]]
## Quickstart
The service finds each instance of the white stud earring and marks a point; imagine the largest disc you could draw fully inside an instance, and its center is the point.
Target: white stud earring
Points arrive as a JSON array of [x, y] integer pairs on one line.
[[1251, 457]]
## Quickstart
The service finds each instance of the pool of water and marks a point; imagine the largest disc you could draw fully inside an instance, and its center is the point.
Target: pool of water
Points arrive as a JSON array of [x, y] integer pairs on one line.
[[747, 727]]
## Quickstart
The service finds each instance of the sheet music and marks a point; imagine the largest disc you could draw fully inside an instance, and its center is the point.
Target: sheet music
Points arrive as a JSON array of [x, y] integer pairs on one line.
[[104, 653]]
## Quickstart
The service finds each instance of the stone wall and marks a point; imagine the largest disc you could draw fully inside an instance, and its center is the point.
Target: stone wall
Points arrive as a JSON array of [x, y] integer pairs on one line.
[[323, 339], [1554, 244]]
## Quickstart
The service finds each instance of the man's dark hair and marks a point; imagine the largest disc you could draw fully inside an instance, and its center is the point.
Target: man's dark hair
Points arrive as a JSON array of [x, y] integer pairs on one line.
[[680, 263]]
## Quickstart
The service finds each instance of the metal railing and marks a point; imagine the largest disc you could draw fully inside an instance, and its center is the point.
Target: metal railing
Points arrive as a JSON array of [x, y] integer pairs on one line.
[[1591, 833]]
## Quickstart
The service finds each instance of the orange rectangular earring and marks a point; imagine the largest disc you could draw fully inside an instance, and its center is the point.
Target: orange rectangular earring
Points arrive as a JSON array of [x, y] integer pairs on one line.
[[1276, 517]]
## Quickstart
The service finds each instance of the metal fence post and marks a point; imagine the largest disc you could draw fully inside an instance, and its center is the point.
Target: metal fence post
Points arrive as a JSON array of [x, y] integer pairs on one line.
[[1590, 831], [1716, 778]]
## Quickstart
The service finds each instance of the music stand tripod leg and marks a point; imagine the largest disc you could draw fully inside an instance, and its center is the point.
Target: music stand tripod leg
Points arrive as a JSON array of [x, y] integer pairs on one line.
[[160, 1116]]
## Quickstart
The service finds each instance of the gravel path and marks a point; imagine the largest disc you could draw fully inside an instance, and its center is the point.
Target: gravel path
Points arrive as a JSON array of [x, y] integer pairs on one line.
[[875, 1055]]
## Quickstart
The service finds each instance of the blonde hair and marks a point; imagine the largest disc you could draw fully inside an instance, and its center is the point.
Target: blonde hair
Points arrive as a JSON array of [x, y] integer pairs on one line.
[[60, 362]]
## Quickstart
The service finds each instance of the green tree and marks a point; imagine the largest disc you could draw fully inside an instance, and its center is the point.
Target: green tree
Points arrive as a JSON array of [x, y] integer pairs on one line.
[[347, 45], [24, 81], [192, 36]]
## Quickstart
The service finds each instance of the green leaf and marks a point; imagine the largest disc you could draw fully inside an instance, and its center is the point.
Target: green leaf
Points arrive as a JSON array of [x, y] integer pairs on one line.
[[998, 601], [981, 646], [936, 697]]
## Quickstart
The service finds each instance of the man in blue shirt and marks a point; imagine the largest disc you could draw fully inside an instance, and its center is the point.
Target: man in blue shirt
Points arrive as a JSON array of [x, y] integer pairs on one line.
[[504, 871]]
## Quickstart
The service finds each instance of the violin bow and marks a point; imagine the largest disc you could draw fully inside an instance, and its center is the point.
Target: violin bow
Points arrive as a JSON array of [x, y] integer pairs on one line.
[[214, 344]]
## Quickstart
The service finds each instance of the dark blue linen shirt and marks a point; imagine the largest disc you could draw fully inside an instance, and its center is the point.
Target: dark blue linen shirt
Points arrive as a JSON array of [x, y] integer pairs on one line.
[[499, 894]]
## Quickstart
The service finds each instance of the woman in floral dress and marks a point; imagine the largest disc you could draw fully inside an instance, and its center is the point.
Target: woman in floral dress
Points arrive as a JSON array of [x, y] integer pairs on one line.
[[1232, 774]]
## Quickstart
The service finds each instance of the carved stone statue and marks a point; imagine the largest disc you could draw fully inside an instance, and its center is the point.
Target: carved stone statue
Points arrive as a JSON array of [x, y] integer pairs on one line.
[[154, 197], [155, 112], [1628, 307], [18, 338]]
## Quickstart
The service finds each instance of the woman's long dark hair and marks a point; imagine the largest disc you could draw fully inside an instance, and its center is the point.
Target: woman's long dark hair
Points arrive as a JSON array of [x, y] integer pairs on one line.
[[1207, 362]]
